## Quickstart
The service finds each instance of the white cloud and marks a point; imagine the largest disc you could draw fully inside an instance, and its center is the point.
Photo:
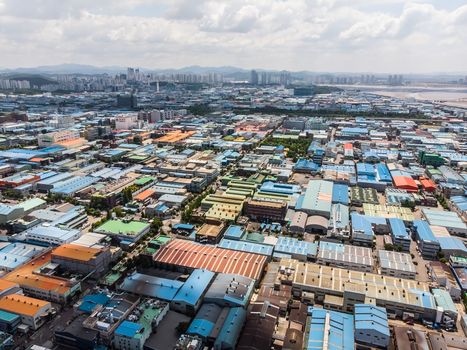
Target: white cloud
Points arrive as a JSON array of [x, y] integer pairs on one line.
[[322, 35]]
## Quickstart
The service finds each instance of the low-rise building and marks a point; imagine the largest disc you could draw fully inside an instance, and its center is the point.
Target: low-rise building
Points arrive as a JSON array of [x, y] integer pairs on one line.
[[33, 312], [396, 264], [84, 260], [371, 326]]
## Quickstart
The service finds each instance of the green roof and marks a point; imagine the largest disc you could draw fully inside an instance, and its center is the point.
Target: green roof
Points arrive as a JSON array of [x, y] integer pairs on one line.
[[254, 237], [131, 228], [144, 180], [146, 318], [111, 278]]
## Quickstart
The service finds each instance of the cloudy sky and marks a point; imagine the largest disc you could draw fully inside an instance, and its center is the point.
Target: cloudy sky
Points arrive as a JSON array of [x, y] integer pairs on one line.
[[318, 35]]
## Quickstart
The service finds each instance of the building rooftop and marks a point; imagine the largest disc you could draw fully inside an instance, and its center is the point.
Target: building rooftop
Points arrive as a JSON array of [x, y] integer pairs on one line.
[[329, 330], [187, 254], [130, 228], [150, 286], [75, 252], [22, 305], [194, 287]]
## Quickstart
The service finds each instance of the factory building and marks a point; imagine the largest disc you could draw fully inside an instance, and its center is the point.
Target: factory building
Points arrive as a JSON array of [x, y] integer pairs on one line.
[[84, 260], [396, 264], [33, 312], [187, 256], [317, 199], [355, 287], [189, 297], [345, 256]]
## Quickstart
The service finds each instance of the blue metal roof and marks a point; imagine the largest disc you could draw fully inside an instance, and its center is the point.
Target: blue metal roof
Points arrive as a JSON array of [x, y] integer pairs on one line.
[[244, 246], [424, 232], [340, 194], [305, 164], [452, 243], [91, 301], [234, 232], [366, 169], [273, 187], [360, 223], [383, 172], [289, 245], [230, 331], [460, 202], [205, 319], [398, 228], [371, 317], [340, 332], [194, 287], [128, 329], [426, 298]]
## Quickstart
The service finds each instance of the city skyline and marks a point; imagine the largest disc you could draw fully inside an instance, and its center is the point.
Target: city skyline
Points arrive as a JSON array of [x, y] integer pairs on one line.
[[392, 36]]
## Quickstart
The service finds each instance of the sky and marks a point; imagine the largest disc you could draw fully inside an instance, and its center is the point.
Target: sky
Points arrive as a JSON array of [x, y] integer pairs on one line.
[[390, 36]]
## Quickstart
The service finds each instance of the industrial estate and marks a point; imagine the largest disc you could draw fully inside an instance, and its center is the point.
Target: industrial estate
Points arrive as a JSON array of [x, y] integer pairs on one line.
[[149, 212]]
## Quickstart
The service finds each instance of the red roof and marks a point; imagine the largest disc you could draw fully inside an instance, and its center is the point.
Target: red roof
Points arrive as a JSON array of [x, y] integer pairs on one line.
[[348, 146], [197, 256], [427, 184], [405, 182]]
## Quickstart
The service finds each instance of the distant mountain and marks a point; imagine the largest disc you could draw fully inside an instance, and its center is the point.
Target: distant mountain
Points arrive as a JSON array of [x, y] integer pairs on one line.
[[70, 68], [66, 68]]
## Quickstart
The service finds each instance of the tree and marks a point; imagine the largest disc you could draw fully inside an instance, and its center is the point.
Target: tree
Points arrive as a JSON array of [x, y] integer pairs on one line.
[[156, 225], [137, 139]]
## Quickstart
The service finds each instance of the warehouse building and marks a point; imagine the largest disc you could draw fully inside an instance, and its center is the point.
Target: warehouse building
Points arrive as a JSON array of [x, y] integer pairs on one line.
[[298, 223], [396, 264], [426, 240], [84, 260], [13, 255], [340, 194], [265, 210], [13, 212], [73, 185], [317, 224], [52, 235], [230, 290], [448, 219], [345, 256], [296, 249], [9, 321], [209, 233], [371, 326], [43, 286], [33, 312], [150, 286], [325, 328], [452, 246], [445, 304], [126, 232], [317, 199], [246, 246], [217, 325], [190, 296], [355, 287], [399, 233], [186, 256]]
